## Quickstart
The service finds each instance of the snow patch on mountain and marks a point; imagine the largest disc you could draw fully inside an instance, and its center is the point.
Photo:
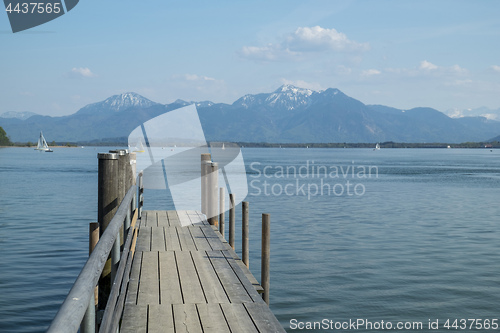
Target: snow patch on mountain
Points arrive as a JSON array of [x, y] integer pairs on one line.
[[286, 97], [23, 115], [477, 112], [119, 103]]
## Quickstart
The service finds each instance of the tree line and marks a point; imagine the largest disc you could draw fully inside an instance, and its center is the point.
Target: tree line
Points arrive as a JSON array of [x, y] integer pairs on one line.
[[4, 139]]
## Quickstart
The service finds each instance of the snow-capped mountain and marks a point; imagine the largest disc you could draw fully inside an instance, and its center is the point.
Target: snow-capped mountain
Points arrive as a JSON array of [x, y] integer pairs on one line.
[[285, 97], [181, 102], [478, 112], [119, 103], [288, 114], [18, 115]]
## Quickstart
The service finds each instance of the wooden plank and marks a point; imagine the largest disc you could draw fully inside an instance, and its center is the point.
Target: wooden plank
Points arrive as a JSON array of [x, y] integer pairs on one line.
[[250, 276], [190, 283], [199, 239], [172, 239], [144, 217], [157, 239], [184, 219], [149, 291], [212, 238], [195, 218], [238, 318], [263, 318], [160, 318], [243, 267], [240, 263], [185, 239], [134, 319], [139, 221], [133, 284], [214, 292], [230, 282], [151, 220], [212, 319], [144, 239], [170, 288], [202, 218], [162, 218], [173, 218], [186, 319], [222, 239], [252, 292]]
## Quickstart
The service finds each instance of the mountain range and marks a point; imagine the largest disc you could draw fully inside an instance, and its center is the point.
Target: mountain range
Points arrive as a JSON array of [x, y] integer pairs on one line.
[[286, 115]]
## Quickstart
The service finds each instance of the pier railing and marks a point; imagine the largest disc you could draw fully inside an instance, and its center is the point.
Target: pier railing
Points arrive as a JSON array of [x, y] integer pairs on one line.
[[80, 301], [112, 254]]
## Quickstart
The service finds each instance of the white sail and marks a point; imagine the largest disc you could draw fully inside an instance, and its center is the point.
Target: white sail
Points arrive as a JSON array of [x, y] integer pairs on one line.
[[139, 147], [42, 144]]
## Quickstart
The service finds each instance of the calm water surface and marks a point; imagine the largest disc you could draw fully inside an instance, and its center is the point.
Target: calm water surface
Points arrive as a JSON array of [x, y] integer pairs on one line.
[[415, 239]]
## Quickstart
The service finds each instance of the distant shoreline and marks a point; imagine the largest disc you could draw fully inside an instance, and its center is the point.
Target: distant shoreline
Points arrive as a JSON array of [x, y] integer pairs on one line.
[[383, 145]]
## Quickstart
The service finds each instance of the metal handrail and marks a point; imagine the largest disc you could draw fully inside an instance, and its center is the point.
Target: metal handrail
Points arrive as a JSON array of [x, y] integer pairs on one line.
[[71, 313]]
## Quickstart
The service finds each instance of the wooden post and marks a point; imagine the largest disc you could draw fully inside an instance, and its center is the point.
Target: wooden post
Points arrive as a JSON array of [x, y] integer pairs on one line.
[[244, 233], [205, 158], [133, 167], [123, 160], [206, 167], [266, 256], [93, 239], [140, 201], [213, 182], [221, 212], [107, 197], [232, 218], [107, 204], [122, 172], [88, 323]]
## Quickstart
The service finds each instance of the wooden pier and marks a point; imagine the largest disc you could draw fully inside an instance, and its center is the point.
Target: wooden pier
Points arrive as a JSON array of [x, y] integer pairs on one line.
[[188, 279], [165, 271]]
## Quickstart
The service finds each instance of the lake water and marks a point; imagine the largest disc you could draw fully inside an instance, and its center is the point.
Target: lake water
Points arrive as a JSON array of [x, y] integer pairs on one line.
[[411, 236]]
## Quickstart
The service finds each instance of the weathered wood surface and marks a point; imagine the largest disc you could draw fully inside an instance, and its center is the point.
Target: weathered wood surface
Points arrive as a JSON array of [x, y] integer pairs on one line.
[[186, 278]]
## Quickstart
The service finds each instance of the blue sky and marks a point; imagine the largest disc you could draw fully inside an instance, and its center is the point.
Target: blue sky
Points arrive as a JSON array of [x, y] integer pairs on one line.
[[441, 54]]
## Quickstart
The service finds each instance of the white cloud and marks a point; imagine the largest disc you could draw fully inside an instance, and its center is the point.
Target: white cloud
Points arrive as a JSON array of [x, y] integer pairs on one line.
[[82, 72], [425, 65], [303, 40], [200, 87], [370, 72], [466, 82], [426, 68], [319, 39], [490, 116], [270, 52], [194, 77], [495, 68], [457, 69], [343, 70]]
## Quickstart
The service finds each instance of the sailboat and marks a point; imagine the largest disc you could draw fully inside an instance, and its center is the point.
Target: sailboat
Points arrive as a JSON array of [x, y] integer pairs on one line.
[[377, 147], [223, 146], [42, 144], [139, 148]]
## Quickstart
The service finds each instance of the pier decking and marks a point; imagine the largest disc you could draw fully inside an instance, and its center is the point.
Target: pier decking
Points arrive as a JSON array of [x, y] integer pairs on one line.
[[186, 278], [165, 271]]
